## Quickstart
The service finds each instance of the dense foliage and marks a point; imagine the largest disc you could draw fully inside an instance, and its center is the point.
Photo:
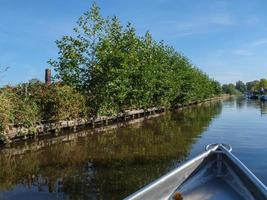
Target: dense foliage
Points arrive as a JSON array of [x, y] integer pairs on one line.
[[28, 104], [241, 87], [55, 102], [230, 89], [257, 85], [118, 70], [15, 109], [106, 68]]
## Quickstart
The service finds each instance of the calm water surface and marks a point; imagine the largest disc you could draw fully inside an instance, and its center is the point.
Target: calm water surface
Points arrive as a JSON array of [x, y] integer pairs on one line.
[[115, 163]]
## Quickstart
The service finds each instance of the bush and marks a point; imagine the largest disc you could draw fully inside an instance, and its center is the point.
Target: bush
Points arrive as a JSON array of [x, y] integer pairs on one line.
[[16, 110], [29, 104], [62, 103], [57, 102], [6, 110]]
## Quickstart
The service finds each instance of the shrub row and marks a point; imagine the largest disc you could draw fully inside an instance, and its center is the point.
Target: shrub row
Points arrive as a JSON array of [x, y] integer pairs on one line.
[[29, 104]]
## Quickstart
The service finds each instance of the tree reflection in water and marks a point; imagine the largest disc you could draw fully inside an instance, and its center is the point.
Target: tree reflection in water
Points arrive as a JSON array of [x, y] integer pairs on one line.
[[263, 107], [112, 164]]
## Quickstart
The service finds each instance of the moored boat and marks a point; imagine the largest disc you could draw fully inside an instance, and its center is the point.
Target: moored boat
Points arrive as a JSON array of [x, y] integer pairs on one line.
[[252, 95], [214, 174], [264, 97]]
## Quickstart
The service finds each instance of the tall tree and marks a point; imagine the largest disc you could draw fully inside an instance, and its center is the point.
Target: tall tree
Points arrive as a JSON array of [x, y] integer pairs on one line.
[[263, 84], [119, 70], [77, 54], [240, 86], [229, 89]]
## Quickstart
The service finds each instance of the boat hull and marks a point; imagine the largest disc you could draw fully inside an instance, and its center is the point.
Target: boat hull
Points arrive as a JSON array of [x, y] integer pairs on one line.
[[214, 174]]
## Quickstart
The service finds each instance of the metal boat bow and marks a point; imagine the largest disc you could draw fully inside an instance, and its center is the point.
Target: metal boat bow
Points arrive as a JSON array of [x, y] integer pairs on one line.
[[214, 174]]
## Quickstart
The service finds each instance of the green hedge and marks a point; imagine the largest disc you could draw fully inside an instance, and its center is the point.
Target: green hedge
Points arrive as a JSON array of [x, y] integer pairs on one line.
[[29, 104], [57, 102], [16, 110]]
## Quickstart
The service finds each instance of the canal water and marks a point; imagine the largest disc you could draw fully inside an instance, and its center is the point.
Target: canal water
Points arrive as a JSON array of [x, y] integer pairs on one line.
[[115, 163]]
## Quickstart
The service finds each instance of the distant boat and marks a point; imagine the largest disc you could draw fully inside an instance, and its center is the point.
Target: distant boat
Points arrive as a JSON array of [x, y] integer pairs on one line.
[[252, 96], [214, 174], [263, 97]]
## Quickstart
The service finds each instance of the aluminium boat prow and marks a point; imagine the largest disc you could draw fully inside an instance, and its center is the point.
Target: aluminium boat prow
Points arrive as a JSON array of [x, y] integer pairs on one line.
[[215, 174]]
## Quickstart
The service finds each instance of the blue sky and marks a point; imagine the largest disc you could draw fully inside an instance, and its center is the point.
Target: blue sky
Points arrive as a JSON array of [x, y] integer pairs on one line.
[[225, 38]]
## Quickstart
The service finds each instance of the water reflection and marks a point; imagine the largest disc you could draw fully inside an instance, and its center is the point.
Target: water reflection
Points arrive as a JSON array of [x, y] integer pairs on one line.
[[263, 107], [240, 103], [109, 165], [260, 105]]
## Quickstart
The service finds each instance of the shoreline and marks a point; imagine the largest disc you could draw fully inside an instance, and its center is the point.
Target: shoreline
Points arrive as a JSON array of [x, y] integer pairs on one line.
[[17, 134]]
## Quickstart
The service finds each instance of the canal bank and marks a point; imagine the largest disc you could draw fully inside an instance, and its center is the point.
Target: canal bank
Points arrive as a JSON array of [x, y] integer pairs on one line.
[[119, 161], [19, 133], [22, 146]]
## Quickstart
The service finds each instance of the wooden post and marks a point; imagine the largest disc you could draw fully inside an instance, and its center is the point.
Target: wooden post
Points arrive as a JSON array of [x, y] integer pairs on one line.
[[47, 76]]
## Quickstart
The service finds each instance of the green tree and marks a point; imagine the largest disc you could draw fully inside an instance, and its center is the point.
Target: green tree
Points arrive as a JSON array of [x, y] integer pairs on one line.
[[77, 54], [263, 84], [240, 86], [253, 86], [229, 89], [118, 70]]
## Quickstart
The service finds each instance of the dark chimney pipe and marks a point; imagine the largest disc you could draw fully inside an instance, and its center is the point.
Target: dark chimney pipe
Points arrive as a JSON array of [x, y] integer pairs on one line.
[[47, 76]]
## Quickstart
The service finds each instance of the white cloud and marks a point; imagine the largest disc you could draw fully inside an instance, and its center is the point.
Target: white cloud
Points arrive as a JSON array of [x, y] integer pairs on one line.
[[224, 19], [250, 48], [259, 42], [242, 52], [198, 24]]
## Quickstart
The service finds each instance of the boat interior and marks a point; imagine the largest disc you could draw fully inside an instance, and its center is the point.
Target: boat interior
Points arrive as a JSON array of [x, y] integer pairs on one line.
[[216, 180], [216, 174], [218, 177]]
